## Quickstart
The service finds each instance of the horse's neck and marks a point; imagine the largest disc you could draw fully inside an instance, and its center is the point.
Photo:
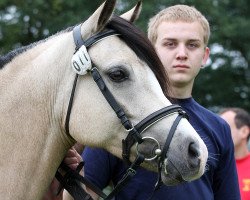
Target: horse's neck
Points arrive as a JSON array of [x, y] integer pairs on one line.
[[31, 140]]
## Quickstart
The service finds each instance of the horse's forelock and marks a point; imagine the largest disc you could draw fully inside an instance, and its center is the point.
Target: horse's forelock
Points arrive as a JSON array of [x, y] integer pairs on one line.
[[143, 48]]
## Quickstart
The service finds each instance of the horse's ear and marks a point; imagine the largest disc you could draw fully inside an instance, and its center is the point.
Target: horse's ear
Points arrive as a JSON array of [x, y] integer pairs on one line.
[[106, 13], [97, 21], [134, 13]]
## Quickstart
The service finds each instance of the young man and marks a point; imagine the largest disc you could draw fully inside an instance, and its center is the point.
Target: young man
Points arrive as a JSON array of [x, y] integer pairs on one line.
[[239, 122], [180, 35]]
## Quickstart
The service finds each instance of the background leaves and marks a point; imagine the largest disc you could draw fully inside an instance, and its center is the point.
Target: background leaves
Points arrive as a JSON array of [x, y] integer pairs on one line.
[[223, 82]]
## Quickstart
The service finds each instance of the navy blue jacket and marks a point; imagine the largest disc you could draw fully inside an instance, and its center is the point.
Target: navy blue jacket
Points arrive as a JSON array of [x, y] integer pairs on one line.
[[219, 182]]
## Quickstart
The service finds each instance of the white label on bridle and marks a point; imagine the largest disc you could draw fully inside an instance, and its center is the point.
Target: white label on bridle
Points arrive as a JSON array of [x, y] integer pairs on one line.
[[81, 62]]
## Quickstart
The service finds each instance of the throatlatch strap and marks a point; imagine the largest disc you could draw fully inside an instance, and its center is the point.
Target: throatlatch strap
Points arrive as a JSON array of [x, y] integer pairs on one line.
[[70, 107]]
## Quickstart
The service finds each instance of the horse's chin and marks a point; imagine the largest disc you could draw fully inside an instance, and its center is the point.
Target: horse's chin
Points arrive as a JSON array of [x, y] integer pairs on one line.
[[174, 175], [171, 179]]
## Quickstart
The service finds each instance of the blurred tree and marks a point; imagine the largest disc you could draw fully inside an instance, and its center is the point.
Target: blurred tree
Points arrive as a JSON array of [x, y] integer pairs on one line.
[[26, 21], [223, 82]]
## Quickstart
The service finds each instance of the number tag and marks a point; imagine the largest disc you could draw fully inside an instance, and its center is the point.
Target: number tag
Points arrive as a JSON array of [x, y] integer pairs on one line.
[[81, 61]]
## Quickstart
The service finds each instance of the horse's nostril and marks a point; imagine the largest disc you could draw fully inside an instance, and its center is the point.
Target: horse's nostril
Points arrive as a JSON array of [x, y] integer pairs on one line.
[[193, 152]]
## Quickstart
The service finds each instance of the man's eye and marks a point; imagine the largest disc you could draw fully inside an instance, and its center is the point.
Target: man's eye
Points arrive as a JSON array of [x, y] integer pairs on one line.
[[117, 75], [169, 44], [193, 45]]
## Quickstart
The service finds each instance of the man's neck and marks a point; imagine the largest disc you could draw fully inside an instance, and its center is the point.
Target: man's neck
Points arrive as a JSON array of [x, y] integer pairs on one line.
[[241, 151], [181, 92]]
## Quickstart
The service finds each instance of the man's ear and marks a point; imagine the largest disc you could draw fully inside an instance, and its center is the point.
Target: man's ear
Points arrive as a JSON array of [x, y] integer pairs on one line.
[[206, 56], [245, 131]]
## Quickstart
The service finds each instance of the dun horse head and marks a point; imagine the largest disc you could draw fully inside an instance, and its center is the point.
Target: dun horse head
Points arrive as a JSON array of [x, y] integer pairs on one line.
[[128, 67], [121, 96]]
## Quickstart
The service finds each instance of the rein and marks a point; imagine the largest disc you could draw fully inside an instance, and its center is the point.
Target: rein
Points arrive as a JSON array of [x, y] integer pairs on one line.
[[134, 132]]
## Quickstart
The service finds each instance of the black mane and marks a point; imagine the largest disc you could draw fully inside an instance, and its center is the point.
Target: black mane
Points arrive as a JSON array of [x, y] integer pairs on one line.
[[131, 35], [12, 54], [143, 48]]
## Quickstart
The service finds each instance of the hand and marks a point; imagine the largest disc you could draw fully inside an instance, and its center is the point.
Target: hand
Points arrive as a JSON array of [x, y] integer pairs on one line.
[[72, 158], [51, 193]]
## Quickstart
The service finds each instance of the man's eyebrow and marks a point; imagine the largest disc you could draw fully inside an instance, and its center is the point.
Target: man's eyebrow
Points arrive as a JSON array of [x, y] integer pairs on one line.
[[194, 40], [190, 40], [170, 39]]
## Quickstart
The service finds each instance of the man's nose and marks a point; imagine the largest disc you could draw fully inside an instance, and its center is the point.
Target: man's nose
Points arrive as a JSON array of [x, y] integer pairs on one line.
[[181, 53]]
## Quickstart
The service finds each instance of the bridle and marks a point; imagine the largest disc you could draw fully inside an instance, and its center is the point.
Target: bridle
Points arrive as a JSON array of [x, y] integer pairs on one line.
[[134, 132]]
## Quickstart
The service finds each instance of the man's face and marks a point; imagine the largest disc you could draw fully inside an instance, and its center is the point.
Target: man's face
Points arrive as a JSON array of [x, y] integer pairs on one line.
[[229, 117], [181, 48]]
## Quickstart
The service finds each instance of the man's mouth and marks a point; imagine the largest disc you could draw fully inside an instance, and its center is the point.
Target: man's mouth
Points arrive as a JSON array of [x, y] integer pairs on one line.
[[181, 66]]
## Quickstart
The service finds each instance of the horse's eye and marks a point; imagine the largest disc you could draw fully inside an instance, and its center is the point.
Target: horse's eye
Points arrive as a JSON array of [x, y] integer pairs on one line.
[[117, 75]]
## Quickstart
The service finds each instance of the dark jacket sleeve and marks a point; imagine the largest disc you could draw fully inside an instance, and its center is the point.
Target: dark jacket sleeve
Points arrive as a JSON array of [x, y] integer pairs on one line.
[[225, 178]]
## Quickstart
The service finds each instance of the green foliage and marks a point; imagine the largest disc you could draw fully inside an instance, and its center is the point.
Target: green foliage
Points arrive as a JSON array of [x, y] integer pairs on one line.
[[224, 82], [25, 21]]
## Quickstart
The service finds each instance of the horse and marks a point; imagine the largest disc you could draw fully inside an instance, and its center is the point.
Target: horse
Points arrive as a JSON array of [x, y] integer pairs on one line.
[[45, 107]]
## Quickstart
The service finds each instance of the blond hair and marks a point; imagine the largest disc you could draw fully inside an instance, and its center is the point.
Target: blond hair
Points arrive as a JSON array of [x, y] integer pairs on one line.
[[176, 13]]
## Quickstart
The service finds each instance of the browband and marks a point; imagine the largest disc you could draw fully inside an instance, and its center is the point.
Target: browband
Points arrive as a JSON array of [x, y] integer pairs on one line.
[[93, 39]]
